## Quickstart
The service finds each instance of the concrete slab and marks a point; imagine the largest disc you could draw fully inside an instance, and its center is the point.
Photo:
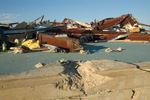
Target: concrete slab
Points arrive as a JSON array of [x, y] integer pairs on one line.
[[49, 69], [127, 83], [132, 53], [57, 68]]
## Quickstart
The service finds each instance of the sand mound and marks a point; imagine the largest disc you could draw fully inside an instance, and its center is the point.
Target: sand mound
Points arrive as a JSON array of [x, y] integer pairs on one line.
[[83, 78], [89, 77]]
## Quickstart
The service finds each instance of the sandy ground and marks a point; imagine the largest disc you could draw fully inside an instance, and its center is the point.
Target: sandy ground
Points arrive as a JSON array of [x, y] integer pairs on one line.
[[99, 79]]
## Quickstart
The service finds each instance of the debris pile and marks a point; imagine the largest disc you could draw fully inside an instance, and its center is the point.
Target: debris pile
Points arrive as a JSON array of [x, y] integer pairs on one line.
[[32, 44], [20, 49], [68, 35]]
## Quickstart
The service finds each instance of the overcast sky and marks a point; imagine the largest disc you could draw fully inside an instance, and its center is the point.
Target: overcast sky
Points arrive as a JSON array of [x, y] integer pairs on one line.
[[80, 10]]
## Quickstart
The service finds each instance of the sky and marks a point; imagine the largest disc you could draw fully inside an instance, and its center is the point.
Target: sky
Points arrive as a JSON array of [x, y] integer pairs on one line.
[[80, 10]]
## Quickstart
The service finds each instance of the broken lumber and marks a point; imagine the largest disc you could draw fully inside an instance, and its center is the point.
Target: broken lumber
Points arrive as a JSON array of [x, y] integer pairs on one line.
[[127, 40]]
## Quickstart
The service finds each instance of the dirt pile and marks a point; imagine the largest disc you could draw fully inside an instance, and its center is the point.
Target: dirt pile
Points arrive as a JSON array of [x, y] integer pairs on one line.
[[82, 77], [89, 77]]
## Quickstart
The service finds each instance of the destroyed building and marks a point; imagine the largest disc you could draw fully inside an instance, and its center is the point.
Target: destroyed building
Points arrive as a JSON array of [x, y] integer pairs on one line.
[[69, 33], [37, 64]]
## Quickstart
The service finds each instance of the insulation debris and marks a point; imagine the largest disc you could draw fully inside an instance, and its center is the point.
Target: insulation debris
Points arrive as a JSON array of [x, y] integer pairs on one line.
[[32, 44], [20, 49], [111, 50]]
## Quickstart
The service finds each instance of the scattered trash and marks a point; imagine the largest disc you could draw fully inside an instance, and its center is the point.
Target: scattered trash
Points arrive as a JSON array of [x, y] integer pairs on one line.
[[50, 47], [20, 49], [111, 50], [54, 49], [62, 61], [61, 35], [108, 50], [4, 47], [39, 65], [84, 51], [96, 41], [18, 42], [119, 49], [59, 50]]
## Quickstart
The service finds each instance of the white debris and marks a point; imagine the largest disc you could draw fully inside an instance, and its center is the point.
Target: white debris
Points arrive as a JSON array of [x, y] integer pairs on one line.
[[39, 65]]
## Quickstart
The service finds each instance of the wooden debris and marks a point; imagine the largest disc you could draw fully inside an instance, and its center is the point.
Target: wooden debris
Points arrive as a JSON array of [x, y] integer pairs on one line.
[[87, 43], [127, 40], [84, 52]]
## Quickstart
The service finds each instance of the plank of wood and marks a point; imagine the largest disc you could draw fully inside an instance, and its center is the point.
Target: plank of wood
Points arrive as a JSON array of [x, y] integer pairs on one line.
[[127, 41], [87, 43]]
